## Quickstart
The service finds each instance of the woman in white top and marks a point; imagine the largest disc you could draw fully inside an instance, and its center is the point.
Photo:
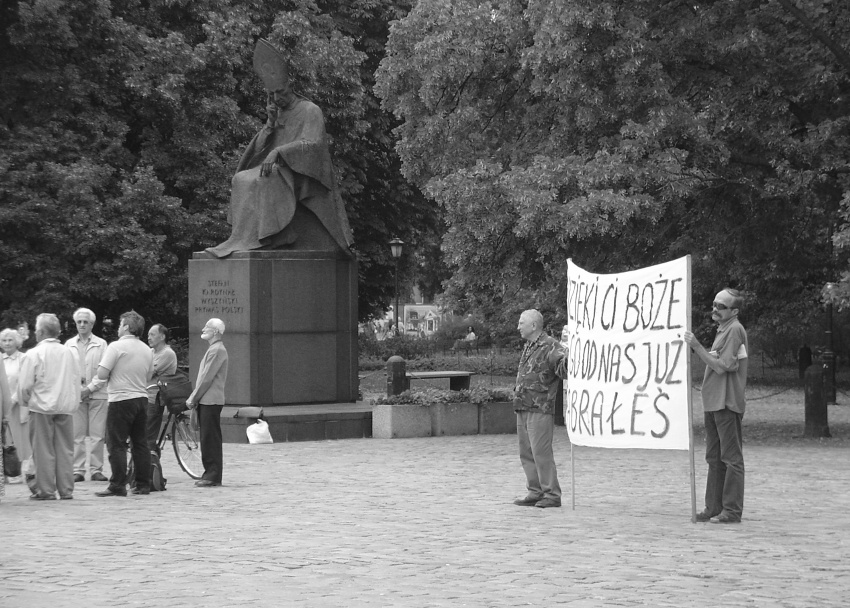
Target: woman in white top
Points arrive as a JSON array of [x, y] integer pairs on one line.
[[4, 406], [17, 417]]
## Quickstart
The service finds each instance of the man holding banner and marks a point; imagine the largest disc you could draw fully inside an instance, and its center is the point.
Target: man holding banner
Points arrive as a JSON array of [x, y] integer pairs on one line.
[[724, 403], [541, 363]]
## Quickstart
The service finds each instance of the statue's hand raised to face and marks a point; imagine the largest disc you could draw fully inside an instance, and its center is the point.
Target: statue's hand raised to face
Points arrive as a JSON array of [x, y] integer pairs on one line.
[[271, 114]]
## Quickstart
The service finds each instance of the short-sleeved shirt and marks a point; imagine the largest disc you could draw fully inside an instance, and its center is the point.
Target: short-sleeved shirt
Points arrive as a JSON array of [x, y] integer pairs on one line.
[[130, 365], [164, 364], [726, 389]]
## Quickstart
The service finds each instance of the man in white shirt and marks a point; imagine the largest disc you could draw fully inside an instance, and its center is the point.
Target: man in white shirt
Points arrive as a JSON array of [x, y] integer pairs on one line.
[[127, 367]]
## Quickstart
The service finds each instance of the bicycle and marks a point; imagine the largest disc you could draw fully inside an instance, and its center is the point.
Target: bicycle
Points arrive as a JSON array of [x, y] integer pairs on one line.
[[184, 440]]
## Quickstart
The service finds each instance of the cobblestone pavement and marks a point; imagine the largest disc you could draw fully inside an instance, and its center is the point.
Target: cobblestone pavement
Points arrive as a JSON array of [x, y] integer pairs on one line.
[[429, 522]]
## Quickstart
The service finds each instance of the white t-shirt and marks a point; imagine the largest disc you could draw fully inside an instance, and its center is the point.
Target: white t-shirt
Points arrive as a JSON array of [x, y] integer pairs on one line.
[[130, 365]]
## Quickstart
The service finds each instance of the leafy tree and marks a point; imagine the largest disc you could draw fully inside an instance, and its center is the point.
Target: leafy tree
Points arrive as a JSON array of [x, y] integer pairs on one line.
[[385, 204], [123, 121], [84, 219], [625, 133]]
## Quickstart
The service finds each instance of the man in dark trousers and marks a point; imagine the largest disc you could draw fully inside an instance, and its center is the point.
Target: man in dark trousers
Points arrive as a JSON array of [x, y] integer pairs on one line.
[[208, 397], [723, 405], [126, 368]]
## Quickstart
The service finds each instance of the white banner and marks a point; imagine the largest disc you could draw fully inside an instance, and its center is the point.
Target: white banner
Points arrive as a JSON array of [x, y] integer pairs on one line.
[[628, 383]]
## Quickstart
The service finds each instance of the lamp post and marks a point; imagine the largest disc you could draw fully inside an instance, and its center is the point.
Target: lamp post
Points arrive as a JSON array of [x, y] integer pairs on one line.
[[396, 246], [829, 353]]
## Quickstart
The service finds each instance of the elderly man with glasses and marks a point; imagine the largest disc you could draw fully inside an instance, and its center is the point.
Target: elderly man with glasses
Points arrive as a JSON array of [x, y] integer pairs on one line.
[[723, 405], [90, 417]]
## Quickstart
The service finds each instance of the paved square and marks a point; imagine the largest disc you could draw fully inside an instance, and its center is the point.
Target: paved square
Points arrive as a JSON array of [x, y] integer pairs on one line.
[[429, 522]]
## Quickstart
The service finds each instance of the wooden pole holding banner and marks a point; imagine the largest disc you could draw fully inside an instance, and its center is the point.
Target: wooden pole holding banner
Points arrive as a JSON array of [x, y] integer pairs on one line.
[[690, 404], [572, 477], [566, 422]]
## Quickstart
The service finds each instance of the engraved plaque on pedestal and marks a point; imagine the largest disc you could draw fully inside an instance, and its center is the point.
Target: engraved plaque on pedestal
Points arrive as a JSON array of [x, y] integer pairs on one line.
[[291, 324]]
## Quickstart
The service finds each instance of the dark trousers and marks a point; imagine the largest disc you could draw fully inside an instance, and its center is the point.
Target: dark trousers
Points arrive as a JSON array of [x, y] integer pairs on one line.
[[125, 419], [154, 424], [724, 488], [209, 417]]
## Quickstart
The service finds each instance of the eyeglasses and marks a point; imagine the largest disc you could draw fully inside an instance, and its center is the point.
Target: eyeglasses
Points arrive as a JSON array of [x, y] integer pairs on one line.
[[719, 306]]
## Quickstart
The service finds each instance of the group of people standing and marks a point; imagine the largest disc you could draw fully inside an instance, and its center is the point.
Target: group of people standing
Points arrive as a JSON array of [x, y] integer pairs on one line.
[[56, 396]]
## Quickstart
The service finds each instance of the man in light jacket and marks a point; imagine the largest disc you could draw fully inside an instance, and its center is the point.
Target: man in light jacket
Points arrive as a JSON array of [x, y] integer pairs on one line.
[[49, 385], [208, 397], [90, 417]]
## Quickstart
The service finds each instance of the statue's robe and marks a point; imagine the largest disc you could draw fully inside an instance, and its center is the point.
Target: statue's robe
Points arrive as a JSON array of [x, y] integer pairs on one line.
[[261, 208]]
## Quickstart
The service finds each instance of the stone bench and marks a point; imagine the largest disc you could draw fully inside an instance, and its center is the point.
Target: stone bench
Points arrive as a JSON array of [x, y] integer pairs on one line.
[[458, 381]]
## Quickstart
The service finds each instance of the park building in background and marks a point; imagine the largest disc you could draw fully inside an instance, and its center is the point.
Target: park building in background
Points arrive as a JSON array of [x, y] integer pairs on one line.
[[415, 319]]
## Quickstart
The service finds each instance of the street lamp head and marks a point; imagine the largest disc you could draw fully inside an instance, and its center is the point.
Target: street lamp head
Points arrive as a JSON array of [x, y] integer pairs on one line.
[[829, 293], [396, 246]]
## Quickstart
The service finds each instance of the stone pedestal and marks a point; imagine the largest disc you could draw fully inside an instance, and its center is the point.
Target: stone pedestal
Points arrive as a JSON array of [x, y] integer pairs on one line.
[[291, 324]]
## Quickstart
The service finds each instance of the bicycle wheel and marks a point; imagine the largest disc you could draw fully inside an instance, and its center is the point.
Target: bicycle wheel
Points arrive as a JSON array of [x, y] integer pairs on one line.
[[187, 447]]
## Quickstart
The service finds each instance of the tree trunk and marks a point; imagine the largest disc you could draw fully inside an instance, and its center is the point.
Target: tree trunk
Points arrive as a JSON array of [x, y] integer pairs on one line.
[[816, 410]]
